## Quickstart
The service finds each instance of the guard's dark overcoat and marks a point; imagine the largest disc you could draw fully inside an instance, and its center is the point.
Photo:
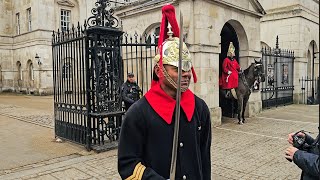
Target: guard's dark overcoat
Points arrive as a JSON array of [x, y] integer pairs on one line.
[[146, 143]]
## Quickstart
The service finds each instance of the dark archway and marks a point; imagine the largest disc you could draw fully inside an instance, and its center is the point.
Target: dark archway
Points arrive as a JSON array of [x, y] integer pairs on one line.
[[228, 34]]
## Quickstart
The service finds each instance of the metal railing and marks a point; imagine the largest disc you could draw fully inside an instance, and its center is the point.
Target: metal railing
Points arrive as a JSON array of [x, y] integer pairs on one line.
[[310, 90]]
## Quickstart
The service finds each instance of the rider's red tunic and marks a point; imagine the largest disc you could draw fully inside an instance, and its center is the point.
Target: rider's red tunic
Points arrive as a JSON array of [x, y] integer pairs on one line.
[[231, 81]]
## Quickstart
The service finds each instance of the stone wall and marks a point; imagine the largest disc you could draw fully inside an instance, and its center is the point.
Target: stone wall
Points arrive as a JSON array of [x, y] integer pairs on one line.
[[22, 48], [297, 25], [203, 23]]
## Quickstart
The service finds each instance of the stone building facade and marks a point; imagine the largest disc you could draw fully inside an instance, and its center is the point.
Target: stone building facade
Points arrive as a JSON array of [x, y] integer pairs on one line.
[[25, 33], [209, 26], [296, 23]]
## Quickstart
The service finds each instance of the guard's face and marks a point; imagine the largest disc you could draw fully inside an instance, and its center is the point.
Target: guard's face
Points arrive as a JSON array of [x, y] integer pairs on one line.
[[231, 55], [173, 73]]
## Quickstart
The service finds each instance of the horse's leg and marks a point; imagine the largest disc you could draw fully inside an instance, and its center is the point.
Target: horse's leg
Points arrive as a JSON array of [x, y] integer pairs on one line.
[[240, 103], [245, 101]]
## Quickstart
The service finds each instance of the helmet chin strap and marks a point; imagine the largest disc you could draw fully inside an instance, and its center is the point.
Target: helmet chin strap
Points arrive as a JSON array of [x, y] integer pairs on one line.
[[170, 80]]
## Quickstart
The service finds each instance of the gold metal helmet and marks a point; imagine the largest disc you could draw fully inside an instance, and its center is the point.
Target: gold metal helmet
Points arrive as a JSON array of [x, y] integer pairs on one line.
[[231, 50], [170, 54], [168, 47]]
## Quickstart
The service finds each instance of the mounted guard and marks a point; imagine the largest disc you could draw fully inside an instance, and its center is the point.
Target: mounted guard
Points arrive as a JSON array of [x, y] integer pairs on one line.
[[230, 70]]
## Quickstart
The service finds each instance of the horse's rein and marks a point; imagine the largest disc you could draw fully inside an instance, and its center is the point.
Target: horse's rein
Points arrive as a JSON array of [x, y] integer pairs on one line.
[[243, 77]]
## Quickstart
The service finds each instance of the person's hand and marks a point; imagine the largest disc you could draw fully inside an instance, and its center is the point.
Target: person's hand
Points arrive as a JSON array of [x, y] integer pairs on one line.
[[290, 152], [229, 72], [290, 139]]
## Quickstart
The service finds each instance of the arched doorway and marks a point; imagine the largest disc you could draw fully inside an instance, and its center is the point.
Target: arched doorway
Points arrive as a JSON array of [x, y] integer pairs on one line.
[[312, 60], [264, 45], [228, 34], [309, 64], [311, 82], [19, 75], [30, 77]]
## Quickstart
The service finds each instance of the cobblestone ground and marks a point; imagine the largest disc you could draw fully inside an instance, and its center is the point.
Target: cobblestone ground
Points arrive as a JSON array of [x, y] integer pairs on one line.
[[254, 150], [27, 114]]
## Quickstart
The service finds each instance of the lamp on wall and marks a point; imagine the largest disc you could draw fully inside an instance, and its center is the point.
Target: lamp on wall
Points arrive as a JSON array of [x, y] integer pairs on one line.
[[38, 59]]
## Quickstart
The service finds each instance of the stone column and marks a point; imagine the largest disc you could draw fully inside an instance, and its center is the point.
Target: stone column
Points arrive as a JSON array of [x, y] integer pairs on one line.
[[204, 48]]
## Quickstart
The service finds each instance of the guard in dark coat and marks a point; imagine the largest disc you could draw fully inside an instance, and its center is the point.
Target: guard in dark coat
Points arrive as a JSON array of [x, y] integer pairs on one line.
[[130, 91], [307, 159], [145, 146]]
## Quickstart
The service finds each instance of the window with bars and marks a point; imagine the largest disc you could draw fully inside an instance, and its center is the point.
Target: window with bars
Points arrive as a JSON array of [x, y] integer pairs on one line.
[[29, 19], [18, 23], [66, 71], [65, 19]]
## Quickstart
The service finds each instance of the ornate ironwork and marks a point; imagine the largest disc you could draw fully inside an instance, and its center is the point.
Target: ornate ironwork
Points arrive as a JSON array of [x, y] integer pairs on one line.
[[278, 88], [88, 68], [277, 50], [103, 15], [88, 74]]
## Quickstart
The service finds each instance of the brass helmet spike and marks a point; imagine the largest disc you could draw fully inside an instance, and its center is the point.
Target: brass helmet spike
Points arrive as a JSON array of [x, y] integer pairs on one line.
[[169, 33]]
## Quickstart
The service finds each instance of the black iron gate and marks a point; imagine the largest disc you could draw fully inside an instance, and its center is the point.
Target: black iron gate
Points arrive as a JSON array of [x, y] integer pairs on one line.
[[278, 87], [138, 52], [88, 74], [310, 90]]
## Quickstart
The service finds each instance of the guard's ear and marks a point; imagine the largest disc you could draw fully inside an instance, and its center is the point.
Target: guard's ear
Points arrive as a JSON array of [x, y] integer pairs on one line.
[[157, 70]]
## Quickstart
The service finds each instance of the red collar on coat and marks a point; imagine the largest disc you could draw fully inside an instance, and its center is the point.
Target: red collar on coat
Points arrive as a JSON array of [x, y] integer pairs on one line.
[[164, 105]]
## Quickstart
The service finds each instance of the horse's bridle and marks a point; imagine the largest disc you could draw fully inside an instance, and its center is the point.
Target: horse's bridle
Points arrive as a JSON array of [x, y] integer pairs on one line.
[[256, 75], [259, 74]]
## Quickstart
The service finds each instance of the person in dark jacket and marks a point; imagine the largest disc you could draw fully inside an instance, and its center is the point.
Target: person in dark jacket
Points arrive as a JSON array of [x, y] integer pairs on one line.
[[307, 158], [130, 91], [145, 145]]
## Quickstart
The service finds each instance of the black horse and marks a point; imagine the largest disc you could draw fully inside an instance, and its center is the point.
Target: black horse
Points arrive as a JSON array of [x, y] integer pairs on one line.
[[247, 78]]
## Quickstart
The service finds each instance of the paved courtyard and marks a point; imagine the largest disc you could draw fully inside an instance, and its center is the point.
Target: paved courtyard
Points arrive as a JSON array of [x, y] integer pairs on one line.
[[250, 151]]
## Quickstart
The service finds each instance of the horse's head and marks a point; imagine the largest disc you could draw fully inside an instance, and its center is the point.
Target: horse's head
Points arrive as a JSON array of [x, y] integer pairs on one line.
[[259, 71]]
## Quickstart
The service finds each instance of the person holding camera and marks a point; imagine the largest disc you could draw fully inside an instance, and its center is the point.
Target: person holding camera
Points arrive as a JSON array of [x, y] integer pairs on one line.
[[130, 91], [304, 152]]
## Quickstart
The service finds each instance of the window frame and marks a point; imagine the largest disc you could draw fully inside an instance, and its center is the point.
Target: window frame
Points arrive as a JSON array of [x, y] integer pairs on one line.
[[66, 72], [29, 19], [63, 15], [18, 28]]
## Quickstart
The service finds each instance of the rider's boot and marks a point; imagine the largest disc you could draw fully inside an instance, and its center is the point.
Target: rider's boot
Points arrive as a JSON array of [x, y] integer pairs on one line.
[[228, 93]]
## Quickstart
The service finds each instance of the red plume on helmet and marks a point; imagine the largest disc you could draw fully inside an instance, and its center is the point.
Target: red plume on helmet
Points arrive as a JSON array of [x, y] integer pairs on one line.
[[168, 15]]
